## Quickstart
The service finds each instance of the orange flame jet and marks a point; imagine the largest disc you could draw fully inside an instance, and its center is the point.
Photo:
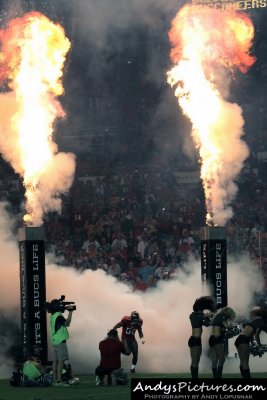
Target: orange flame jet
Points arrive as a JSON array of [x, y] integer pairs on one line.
[[207, 45], [33, 50]]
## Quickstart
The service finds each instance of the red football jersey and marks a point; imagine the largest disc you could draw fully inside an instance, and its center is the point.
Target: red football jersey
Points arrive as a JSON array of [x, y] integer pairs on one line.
[[129, 328]]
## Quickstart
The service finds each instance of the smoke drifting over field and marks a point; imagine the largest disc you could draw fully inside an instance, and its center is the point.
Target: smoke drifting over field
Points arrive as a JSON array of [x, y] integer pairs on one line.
[[102, 301], [97, 30]]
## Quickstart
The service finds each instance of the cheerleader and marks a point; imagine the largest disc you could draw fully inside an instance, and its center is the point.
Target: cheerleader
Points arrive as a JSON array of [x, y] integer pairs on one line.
[[197, 319], [250, 334], [221, 322]]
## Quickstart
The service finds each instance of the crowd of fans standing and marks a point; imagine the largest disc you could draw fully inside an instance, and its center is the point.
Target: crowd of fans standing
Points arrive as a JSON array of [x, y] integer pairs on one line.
[[140, 225]]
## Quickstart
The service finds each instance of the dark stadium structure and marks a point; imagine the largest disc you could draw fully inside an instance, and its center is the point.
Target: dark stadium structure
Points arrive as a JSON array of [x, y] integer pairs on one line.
[[122, 122], [214, 262], [32, 291]]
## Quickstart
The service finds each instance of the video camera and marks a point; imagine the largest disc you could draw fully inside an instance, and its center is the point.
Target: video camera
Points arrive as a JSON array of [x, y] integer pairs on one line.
[[59, 305]]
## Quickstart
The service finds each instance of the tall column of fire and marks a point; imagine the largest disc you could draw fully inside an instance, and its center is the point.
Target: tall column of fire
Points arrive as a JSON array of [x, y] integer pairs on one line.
[[207, 47], [33, 290], [33, 50]]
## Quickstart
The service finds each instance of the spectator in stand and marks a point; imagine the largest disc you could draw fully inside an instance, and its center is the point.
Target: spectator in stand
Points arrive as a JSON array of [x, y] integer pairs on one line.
[[99, 188], [107, 232], [104, 221], [139, 285], [92, 253], [169, 250], [86, 247], [78, 221], [81, 262], [161, 271], [101, 264], [154, 250], [145, 270], [142, 247], [90, 224], [152, 282], [186, 239], [176, 232], [255, 230], [144, 196], [132, 270], [119, 245], [186, 247], [132, 244], [155, 260], [105, 247], [254, 249], [114, 268], [174, 266], [127, 224]]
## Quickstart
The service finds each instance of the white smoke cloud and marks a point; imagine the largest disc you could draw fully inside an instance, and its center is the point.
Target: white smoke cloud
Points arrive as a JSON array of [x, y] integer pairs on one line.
[[9, 288], [102, 301]]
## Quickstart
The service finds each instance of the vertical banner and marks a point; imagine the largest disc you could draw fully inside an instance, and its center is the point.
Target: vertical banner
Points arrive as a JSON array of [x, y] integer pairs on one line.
[[33, 290], [214, 262]]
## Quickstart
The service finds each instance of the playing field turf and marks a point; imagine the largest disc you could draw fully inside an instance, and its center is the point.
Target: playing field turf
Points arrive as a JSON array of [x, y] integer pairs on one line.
[[87, 390]]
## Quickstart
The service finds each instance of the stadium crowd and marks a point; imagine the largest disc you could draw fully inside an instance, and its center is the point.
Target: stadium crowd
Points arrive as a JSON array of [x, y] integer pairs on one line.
[[140, 224]]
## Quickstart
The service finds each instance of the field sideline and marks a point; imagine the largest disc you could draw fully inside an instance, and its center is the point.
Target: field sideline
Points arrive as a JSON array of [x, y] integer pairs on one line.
[[87, 390]]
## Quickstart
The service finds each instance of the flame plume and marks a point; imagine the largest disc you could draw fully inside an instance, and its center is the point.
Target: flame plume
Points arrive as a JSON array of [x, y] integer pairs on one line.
[[33, 50], [207, 45]]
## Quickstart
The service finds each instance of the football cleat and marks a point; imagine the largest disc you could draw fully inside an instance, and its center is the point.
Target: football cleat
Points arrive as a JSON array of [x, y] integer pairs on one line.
[[74, 381]]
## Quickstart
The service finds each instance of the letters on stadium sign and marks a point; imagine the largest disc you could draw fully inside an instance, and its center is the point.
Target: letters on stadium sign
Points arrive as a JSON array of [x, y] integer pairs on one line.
[[241, 5]]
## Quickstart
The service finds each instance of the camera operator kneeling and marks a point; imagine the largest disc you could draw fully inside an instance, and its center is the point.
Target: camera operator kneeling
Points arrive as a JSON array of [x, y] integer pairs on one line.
[[33, 371], [109, 371], [33, 375], [59, 337]]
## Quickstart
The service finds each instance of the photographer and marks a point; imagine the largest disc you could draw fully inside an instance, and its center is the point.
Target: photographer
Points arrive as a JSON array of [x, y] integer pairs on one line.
[[33, 371], [109, 371], [59, 337]]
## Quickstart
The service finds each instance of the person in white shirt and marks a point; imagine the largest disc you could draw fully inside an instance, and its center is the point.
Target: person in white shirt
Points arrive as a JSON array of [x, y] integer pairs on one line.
[[114, 268]]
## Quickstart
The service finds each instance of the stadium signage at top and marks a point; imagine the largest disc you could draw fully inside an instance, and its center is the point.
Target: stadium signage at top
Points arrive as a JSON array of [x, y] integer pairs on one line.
[[240, 5]]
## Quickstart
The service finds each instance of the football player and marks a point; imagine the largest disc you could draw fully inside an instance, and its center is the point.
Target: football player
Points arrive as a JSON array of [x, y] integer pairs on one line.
[[130, 324]]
